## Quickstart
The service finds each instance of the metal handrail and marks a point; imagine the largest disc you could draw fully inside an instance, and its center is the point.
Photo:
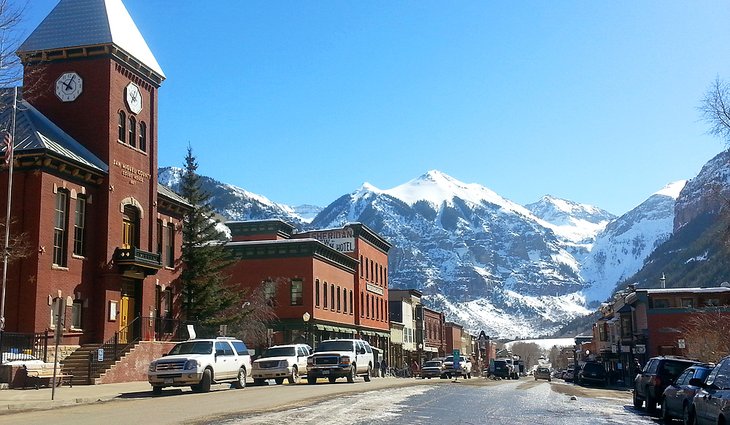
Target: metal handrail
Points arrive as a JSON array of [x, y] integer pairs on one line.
[[113, 348]]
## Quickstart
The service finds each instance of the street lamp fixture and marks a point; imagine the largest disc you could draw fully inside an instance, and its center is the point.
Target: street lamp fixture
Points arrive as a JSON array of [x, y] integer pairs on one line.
[[306, 316]]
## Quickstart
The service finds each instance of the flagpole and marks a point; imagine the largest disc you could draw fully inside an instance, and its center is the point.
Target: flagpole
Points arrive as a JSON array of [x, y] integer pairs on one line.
[[6, 252]]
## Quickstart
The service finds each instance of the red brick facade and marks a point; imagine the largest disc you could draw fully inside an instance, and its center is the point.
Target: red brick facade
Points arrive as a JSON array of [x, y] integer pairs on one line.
[[108, 289]]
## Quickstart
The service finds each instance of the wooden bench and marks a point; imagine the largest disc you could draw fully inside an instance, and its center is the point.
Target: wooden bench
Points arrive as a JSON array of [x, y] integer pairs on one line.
[[37, 375]]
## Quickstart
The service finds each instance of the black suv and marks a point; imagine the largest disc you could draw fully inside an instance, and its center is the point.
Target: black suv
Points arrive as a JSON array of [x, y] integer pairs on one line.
[[591, 373], [658, 374]]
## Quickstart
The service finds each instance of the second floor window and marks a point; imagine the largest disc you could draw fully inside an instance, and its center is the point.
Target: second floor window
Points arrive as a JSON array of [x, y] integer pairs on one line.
[[297, 292], [79, 226], [170, 245], [316, 294], [130, 227], [59, 229], [270, 292]]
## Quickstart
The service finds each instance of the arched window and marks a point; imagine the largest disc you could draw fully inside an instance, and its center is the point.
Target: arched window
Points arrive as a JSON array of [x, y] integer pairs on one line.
[[122, 126], [325, 295], [332, 297], [132, 132], [142, 136], [130, 227], [316, 293]]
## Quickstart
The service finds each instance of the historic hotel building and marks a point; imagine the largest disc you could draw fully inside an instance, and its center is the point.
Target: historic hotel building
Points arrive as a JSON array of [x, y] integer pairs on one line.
[[336, 279], [105, 237]]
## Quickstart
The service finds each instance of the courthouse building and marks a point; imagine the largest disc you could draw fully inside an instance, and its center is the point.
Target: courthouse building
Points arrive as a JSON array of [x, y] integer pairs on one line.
[[105, 238]]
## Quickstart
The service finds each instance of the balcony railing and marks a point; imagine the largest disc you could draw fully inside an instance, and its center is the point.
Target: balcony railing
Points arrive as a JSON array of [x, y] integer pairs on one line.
[[138, 260]]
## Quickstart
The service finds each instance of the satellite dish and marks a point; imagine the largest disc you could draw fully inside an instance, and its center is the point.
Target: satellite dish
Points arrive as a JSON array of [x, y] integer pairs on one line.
[[725, 284]]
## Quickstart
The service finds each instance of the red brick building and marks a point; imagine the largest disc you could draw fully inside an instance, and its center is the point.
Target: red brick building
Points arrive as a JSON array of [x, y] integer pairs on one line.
[[337, 276], [104, 235]]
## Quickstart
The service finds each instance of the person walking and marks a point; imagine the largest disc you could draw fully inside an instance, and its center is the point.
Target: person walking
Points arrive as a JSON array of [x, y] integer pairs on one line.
[[383, 367], [414, 369]]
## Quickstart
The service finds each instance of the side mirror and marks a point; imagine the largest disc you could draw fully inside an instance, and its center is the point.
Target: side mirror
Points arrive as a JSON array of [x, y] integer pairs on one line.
[[696, 382]]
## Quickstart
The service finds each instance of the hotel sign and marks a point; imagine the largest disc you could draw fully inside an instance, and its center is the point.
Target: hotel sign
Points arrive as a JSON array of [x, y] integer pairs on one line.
[[342, 240]]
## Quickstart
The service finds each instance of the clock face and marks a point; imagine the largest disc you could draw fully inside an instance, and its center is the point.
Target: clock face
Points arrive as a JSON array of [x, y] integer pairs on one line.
[[134, 98], [69, 86]]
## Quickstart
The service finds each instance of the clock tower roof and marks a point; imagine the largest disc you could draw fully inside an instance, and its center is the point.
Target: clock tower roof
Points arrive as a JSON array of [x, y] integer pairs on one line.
[[89, 23]]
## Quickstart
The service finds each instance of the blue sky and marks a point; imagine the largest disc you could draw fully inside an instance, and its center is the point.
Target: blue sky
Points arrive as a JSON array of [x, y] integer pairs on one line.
[[303, 101]]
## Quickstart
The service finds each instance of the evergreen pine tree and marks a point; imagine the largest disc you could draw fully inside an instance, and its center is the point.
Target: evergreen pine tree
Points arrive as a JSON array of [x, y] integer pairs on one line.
[[207, 298]]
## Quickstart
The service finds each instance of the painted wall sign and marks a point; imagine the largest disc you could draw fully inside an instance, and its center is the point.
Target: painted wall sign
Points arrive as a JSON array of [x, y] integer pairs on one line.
[[342, 240]]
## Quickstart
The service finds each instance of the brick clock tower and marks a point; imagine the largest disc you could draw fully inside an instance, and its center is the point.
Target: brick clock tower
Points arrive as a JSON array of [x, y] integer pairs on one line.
[[108, 238]]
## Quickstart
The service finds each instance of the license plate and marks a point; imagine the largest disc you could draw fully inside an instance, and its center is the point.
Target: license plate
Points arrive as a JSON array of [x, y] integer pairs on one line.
[[325, 372], [168, 380]]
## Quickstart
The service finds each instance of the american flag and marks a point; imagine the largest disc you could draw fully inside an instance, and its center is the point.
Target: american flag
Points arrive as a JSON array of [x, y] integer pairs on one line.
[[8, 142]]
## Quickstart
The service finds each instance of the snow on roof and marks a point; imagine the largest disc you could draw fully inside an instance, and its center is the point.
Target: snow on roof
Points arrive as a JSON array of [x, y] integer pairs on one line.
[[78, 23], [713, 290]]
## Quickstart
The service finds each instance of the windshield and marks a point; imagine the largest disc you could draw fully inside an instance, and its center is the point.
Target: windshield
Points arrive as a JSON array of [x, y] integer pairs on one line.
[[334, 346], [279, 352], [192, 347], [432, 364]]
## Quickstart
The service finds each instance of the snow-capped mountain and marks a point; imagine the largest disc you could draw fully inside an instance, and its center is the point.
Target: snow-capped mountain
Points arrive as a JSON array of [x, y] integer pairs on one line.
[[235, 203], [708, 192], [622, 247], [486, 261], [576, 224]]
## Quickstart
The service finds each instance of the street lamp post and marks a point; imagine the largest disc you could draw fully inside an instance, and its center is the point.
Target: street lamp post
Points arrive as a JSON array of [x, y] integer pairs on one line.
[[306, 316]]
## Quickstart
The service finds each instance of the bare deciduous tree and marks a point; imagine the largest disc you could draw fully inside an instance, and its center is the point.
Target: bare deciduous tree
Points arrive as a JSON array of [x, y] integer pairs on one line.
[[529, 352], [11, 15], [708, 335], [715, 110], [257, 313]]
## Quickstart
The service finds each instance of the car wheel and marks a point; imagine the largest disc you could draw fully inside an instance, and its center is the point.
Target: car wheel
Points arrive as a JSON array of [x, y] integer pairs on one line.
[[279, 381], [332, 379], [637, 401], [205, 382], [311, 380], [156, 390], [241, 381], [650, 403], [294, 378], [352, 374], [664, 412], [259, 381], [367, 375], [688, 415]]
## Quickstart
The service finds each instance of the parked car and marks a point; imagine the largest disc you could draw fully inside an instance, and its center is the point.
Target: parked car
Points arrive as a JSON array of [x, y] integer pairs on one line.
[[200, 363], [280, 362], [592, 373], [433, 369], [711, 403], [568, 375], [659, 372], [678, 395], [337, 358], [501, 369], [542, 373]]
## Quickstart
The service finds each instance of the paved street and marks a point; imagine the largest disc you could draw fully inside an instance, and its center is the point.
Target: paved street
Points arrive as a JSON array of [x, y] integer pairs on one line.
[[382, 401]]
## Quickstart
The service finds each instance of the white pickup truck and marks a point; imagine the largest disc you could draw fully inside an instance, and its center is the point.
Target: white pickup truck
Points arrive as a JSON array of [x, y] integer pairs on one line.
[[337, 358], [463, 369]]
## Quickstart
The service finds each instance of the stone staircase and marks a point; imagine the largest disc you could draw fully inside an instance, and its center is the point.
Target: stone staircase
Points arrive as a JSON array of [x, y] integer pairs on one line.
[[77, 364]]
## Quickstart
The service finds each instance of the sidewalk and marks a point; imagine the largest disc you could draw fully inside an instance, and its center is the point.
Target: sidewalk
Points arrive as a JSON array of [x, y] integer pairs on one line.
[[15, 400]]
